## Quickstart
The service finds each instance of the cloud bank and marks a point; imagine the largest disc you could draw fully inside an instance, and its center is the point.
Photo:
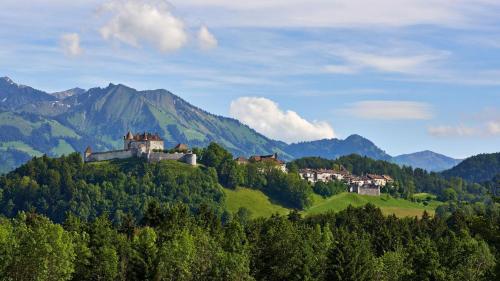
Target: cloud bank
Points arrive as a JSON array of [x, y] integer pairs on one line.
[[452, 131], [267, 118], [487, 129], [344, 13], [134, 22], [70, 44], [390, 110]]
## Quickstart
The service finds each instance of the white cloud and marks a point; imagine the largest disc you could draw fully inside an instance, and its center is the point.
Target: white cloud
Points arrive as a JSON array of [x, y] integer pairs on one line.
[[206, 39], [452, 131], [70, 43], [267, 118], [390, 63], [390, 110], [400, 57], [135, 21], [493, 127]]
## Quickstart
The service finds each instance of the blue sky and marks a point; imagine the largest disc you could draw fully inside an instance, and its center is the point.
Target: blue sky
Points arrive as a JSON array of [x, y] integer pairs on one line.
[[409, 75]]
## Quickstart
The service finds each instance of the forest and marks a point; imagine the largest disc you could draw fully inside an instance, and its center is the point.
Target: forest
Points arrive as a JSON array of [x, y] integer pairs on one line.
[[172, 243], [62, 219]]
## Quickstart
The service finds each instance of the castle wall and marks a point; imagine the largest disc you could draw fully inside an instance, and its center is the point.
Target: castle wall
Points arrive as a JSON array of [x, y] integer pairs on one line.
[[148, 144], [369, 191], [187, 158], [103, 156]]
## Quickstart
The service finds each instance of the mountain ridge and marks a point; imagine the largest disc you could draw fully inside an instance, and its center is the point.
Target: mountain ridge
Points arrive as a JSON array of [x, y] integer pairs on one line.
[[433, 161], [70, 120]]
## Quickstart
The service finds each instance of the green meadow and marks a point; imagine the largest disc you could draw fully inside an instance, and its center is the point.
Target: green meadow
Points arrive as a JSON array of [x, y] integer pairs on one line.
[[260, 205]]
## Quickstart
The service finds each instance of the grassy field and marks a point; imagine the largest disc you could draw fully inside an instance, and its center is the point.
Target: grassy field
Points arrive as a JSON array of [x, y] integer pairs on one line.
[[254, 200], [260, 205], [387, 204]]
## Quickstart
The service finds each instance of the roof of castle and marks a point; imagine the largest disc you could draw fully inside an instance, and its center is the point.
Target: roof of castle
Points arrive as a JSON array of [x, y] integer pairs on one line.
[[88, 150], [129, 136], [181, 146]]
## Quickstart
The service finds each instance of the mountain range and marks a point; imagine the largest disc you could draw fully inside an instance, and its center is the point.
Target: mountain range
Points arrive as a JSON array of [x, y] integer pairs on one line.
[[34, 122]]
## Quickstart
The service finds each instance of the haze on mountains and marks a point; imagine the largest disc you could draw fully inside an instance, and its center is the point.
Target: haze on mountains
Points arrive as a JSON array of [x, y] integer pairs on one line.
[[33, 123]]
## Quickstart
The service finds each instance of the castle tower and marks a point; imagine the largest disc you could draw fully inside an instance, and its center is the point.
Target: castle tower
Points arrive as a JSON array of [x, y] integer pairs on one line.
[[127, 139], [87, 153]]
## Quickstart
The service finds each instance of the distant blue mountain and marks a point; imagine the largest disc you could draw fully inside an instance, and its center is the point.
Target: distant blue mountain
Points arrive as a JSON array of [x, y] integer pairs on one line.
[[427, 160]]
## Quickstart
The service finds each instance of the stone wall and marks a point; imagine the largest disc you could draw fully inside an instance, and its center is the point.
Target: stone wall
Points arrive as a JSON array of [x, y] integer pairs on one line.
[[188, 158], [369, 191], [103, 156]]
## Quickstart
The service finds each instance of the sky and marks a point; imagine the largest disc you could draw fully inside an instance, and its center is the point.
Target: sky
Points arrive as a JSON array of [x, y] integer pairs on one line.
[[410, 75]]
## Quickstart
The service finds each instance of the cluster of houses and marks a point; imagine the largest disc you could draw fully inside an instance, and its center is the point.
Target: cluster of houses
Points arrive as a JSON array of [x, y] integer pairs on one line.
[[369, 184]]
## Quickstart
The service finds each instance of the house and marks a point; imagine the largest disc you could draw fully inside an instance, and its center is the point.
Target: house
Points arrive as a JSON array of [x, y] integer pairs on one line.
[[145, 145], [241, 160], [377, 179], [323, 175], [272, 159]]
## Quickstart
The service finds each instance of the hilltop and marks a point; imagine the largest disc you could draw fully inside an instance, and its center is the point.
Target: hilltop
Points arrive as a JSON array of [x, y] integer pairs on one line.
[[478, 168]]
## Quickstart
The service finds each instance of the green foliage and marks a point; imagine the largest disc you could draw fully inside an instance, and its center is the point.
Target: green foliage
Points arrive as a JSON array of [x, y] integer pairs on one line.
[[55, 187], [350, 258], [327, 189], [479, 168], [175, 244], [33, 248]]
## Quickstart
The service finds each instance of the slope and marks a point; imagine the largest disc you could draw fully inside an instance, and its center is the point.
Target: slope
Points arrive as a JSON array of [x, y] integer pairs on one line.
[[334, 148], [478, 168], [426, 160]]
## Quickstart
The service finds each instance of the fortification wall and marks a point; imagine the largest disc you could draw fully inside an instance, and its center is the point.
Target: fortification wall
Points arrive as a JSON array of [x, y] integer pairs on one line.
[[188, 158], [369, 191], [103, 156]]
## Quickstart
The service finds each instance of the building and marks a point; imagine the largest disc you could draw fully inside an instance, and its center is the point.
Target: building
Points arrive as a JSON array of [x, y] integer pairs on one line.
[[377, 179], [366, 189], [272, 159], [241, 160], [145, 145]]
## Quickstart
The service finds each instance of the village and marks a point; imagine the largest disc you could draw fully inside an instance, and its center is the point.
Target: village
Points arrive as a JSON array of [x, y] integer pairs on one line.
[[369, 184]]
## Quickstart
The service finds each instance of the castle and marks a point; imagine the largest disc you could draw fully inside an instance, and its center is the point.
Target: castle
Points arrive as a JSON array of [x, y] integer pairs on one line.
[[145, 145]]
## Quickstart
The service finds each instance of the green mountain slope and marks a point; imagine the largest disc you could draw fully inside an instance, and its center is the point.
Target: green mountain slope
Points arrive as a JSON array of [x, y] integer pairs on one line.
[[260, 204], [334, 148], [427, 160], [479, 168]]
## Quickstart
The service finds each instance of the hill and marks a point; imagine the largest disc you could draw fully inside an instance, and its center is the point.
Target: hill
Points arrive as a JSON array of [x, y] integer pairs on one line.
[[427, 160], [479, 168], [56, 187], [260, 204], [334, 148]]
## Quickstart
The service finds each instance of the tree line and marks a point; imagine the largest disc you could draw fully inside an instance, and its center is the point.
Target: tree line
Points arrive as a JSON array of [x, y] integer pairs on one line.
[[173, 243]]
